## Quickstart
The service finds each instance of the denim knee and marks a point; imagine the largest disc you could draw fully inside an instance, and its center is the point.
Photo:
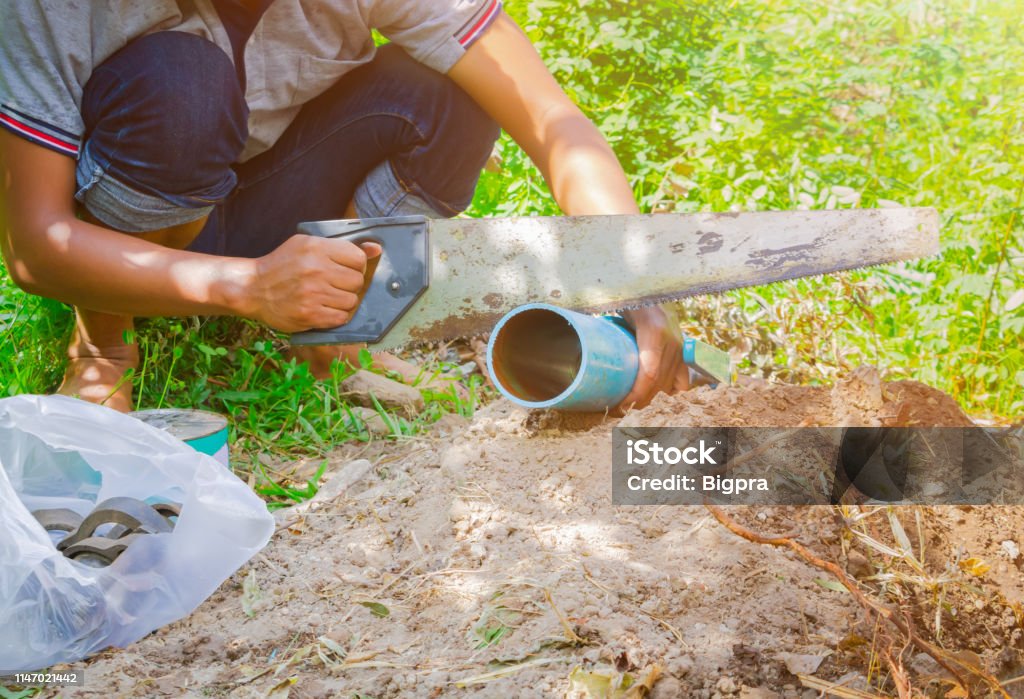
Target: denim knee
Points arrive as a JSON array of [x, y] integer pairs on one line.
[[456, 136], [165, 120]]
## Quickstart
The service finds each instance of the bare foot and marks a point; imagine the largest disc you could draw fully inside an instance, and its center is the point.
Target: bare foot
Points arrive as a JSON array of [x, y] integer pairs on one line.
[[321, 357], [100, 373], [99, 381], [102, 380]]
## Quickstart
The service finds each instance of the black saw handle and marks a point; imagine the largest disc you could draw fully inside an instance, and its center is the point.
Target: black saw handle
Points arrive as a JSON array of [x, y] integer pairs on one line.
[[400, 275]]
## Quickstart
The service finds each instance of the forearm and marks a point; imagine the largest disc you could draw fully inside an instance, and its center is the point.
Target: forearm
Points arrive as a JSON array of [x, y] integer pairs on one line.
[[580, 167], [50, 252], [86, 265], [506, 77]]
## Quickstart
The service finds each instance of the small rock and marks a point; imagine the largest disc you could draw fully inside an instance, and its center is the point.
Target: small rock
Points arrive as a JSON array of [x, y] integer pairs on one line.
[[858, 566], [357, 555], [449, 424], [924, 665], [347, 476], [650, 605], [667, 687], [726, 685], [757, 693], [363, 386], [459, 511], [802, 663], [374, 422], [454, 461], [1011, 548]]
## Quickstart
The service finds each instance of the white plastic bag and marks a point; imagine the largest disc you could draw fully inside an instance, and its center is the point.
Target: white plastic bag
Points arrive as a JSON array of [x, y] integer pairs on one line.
[[61, 452]]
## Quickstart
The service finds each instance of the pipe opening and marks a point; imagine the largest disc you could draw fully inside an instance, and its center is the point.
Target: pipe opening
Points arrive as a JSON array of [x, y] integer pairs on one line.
[[536, 355]]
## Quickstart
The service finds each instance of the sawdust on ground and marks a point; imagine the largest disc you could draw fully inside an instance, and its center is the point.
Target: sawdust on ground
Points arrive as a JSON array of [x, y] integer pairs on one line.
[[493, 547]]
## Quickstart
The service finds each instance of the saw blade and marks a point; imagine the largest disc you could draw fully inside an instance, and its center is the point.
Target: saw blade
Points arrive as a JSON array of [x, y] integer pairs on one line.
[[482, 268]]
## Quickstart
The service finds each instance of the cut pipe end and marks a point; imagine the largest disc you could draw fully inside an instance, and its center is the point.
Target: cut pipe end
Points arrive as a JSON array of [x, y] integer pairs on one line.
[[543, 356], [535, 355]]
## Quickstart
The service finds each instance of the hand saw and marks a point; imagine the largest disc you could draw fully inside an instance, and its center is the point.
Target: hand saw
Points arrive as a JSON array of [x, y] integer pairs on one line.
[[439, 279]]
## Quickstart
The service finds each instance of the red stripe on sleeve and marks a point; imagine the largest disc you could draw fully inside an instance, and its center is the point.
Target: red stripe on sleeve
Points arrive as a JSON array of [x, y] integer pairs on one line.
[[475, 29], [38, 135]]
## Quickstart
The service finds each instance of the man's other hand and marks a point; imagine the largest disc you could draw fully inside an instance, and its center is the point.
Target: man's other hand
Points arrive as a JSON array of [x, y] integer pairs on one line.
[[661, 356]]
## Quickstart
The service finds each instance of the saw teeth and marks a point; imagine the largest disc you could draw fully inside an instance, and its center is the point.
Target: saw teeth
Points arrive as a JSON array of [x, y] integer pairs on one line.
[[646, 302]]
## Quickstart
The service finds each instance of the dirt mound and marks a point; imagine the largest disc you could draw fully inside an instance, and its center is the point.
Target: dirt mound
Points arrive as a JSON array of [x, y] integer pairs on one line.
[[862, 400], [492, 563]]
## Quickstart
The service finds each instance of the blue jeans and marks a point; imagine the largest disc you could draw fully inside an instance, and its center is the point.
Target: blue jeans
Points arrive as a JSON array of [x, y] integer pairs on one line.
[[166, 121]]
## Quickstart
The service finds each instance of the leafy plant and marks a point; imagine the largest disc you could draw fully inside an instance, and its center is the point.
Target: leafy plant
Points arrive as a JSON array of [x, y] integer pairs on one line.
[[26, 693], [283, 496], [493, 625], [741, 106]]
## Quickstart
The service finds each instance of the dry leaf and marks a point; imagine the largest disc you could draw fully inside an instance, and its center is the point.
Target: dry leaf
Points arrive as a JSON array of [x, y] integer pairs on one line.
[[282, 689], [974, 566], [606, 683], [802, 663]]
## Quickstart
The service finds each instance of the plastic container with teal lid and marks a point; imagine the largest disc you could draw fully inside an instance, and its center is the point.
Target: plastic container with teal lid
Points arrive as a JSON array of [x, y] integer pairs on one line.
[[202, 430]]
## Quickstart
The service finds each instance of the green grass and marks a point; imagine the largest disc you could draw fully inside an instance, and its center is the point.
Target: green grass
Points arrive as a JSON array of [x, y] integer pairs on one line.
[[27, 693], [711, 107], [277, 408]]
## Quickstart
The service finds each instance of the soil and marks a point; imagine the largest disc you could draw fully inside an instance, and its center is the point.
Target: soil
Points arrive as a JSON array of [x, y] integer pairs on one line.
[[486, 559]]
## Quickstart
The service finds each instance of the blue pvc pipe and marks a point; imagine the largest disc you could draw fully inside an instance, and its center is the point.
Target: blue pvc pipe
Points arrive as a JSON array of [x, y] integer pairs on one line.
[[542, 356]]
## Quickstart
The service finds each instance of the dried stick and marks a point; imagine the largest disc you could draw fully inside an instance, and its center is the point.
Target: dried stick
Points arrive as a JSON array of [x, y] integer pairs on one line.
[[870, 606]]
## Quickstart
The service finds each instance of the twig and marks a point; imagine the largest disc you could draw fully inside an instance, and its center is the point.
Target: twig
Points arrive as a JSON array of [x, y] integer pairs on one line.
[[898, 673], [570, 635], [399, 576], [870, 606], [251, 678], [836, 690]]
